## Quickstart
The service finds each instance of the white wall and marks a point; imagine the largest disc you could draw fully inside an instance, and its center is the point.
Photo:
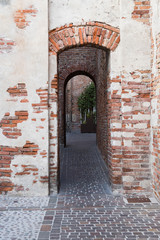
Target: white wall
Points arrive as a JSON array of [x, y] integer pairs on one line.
[[26, 63]]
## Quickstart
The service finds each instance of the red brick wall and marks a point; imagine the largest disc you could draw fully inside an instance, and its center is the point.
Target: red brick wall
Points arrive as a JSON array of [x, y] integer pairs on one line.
[[141, 11], [103, 123]]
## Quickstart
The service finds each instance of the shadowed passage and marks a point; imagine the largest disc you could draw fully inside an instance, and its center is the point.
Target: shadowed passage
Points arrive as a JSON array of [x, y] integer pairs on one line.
[[82, 169]]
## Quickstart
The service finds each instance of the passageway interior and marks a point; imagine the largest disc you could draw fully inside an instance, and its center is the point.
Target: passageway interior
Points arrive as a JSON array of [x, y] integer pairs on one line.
[[82, 169]]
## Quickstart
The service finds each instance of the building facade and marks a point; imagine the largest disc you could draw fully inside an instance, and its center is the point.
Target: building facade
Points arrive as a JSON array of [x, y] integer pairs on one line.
[[117, 44]]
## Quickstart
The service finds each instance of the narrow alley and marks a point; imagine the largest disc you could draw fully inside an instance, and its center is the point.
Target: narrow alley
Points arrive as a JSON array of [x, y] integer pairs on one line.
[[83, 171]]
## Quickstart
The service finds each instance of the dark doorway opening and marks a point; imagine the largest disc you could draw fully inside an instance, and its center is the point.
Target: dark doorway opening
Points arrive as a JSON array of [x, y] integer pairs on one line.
[[90, 62]]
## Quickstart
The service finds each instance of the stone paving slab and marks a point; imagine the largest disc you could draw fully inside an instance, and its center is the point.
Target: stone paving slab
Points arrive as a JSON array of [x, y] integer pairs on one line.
[[108, 218]]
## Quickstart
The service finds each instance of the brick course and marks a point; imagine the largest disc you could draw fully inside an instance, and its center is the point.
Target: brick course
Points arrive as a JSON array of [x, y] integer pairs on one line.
[[18, 91], [40, 107]]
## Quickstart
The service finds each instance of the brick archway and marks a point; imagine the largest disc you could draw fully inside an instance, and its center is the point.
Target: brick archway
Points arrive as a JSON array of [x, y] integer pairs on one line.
[[93, 35]]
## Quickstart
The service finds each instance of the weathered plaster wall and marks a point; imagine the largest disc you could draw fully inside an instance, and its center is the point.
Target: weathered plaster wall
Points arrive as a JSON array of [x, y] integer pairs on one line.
[[135, 36], [23, 98], [77, 12], [135, 87], [155, 104]]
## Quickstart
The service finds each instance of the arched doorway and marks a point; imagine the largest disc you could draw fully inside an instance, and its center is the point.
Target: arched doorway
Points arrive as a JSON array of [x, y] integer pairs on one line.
[[85, 50], [94, 63], [80, 105]]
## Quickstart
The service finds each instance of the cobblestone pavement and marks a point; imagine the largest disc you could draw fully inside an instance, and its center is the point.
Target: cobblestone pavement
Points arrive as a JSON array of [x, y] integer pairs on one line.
[[84, 208], [21, 217]]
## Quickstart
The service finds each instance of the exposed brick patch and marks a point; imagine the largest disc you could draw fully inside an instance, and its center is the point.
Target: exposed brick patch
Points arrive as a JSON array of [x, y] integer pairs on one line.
[[9, 124], [43, 105], [94, 33], [43, 154], [29, 148], [53, 98], [22, 17], [7, 154], [18, 91], [6, 45], [141, 11], [6, 185], [44, 179], [136, 111], [54, 82], [27, 170]]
